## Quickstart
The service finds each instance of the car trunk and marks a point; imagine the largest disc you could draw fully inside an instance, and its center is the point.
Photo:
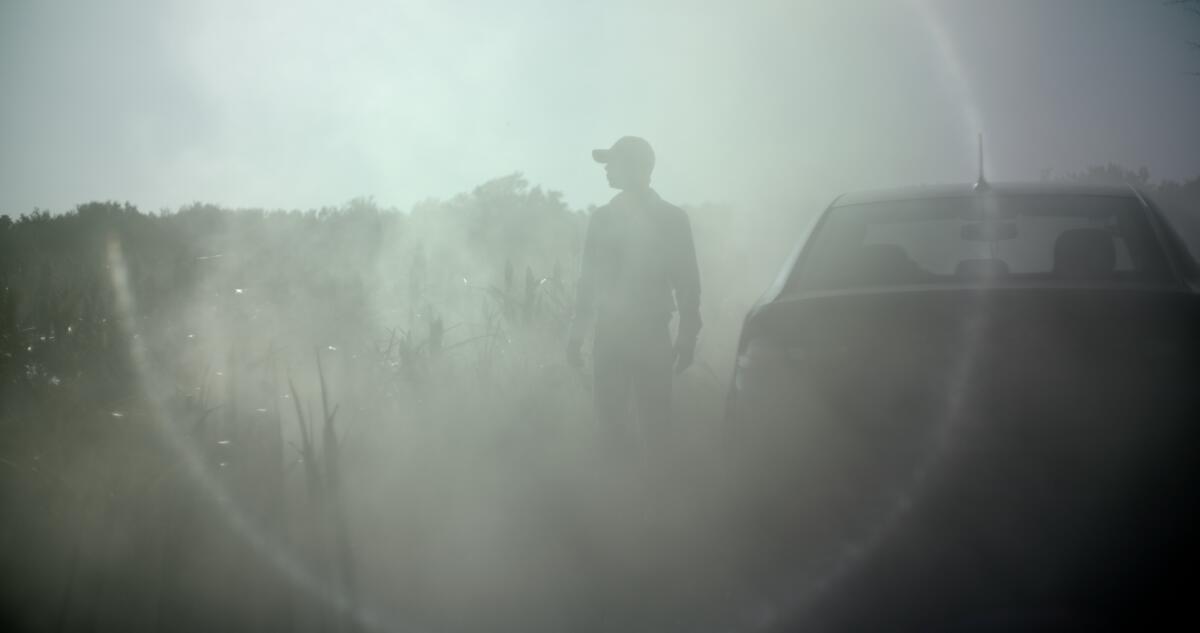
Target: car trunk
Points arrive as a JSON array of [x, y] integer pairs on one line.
[[986, 447]]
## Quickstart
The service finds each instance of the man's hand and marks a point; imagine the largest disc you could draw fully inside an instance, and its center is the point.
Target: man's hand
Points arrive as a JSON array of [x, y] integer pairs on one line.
[[575, 353], [685, 351]]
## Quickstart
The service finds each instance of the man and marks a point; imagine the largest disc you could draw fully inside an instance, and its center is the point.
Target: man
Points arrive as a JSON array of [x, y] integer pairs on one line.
[[637, 254]]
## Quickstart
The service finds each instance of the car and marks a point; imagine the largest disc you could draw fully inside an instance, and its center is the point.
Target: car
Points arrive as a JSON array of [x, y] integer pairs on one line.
[[973, 404]]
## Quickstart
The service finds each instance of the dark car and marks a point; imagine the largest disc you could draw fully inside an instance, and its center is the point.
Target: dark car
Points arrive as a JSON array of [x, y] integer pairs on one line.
[[976, 408]]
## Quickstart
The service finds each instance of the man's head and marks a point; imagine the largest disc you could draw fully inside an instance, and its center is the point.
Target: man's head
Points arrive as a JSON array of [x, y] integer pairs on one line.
[[628, 163]]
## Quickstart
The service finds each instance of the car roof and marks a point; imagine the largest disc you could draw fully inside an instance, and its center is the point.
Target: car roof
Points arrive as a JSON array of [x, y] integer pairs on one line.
[[968, 189]]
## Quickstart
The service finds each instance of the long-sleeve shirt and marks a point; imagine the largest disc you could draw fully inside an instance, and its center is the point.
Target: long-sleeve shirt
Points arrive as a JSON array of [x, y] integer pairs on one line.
[[639, 263]]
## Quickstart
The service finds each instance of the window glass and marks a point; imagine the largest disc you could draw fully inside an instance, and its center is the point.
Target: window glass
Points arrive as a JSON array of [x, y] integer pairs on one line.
[[982, 239]]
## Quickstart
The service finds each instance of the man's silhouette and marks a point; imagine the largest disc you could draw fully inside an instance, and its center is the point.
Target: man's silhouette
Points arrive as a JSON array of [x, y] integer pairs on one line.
[[639, 266]]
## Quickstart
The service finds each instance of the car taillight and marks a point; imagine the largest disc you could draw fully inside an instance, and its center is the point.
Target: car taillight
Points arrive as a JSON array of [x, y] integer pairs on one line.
[[767, 357]]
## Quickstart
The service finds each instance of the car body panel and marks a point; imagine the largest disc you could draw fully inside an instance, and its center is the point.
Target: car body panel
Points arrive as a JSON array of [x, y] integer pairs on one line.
[[983, 447]]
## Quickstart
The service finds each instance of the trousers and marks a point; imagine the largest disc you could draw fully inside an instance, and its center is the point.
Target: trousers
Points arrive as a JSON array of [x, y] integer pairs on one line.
[[633, 361]]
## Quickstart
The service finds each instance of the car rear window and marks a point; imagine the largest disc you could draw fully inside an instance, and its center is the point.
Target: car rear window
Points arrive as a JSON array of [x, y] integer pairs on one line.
[[987, 239], [1187, 228]]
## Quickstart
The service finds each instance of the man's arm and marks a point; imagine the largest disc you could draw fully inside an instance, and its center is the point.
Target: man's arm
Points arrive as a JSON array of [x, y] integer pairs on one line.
[[686, 280]]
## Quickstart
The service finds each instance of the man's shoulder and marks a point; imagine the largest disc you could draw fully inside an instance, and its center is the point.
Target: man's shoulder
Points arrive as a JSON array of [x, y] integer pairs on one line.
[[625, 201], [603, 211], [672, 209], [672, 212]]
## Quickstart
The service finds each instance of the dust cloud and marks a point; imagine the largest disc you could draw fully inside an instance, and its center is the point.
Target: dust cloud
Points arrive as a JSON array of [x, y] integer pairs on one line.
[[282, 411]]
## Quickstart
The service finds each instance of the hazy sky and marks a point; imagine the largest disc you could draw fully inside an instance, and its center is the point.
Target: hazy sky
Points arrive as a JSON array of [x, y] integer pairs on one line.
[[298, 104]]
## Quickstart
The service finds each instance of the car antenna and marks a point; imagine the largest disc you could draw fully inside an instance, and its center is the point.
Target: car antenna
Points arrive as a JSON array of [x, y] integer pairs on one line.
[[981, 184]]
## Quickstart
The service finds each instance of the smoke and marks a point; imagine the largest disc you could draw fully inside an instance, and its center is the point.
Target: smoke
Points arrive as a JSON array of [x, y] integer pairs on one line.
[[362, 416], [776, 106]]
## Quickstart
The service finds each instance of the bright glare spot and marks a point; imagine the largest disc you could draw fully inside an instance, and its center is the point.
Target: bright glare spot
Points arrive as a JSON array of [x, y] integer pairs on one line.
[[117, 414], [223, 442], [239, 291], [55, 380], [261, 410], [331, 348]]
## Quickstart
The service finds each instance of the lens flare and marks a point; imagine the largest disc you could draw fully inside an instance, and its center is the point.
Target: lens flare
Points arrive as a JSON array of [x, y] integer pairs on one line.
[[153, 388]]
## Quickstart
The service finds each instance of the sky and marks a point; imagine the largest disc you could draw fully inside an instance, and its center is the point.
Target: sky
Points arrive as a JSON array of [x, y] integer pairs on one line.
[[299, 104]]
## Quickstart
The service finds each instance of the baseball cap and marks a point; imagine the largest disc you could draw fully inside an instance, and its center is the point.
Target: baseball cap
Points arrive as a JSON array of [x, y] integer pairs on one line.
[[628, 149]]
